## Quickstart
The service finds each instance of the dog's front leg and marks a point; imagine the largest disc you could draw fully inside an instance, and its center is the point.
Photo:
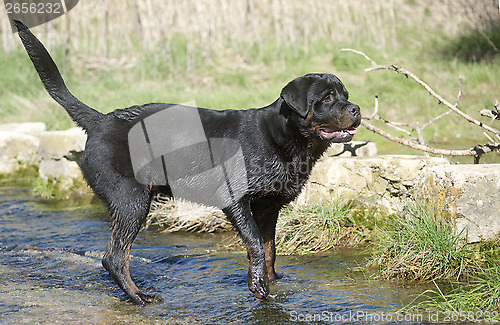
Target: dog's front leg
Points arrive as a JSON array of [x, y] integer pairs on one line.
[[241, 217], [266, 217], [270, 248]]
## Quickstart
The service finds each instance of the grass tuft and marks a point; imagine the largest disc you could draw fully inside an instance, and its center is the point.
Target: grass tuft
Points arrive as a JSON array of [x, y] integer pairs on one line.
[[319, 228], [421, 247], [480, 294]]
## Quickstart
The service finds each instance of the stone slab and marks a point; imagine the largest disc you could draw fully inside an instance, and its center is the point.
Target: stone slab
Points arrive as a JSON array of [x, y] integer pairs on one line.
[[17, 151], [57, 144], [469, 194], [381, 181]]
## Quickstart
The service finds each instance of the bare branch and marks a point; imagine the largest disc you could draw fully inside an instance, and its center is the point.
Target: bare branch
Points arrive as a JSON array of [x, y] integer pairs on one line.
[[408, 74], [435, 119], [476, 151], [460, 82], [394, 125], [490, 42], [491, 114], [488, 137], [360, 53], [375, 110]]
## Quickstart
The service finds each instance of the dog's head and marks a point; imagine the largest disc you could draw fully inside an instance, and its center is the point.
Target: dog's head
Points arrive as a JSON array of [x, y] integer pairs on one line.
[[322, 109]]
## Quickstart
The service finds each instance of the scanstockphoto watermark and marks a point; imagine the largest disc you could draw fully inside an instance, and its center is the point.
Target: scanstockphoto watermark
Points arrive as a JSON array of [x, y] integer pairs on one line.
[[171, 147], [36, 12], [382, 317], [355, 317]]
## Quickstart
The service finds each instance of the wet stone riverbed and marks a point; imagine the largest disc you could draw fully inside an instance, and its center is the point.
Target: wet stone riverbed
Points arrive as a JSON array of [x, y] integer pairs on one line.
[[51, 272]]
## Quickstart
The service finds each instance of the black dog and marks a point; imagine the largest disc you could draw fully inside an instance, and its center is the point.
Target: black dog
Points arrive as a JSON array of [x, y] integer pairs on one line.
[[259, 159]]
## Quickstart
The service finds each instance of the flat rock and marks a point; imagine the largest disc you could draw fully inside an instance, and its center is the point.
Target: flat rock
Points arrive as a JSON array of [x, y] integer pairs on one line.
[[381, 181], [62, 172], [17, 150], [58, 144], [469, 194], [57, 151]]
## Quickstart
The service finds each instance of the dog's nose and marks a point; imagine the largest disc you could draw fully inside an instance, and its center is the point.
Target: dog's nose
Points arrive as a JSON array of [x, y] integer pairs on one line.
[[354, 110]]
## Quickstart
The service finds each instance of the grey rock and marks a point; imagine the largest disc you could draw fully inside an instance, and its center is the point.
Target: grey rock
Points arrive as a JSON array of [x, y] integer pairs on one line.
[[57, 144], [61, 171], [468, 194], [58, 155], [379, 181], [17, 151]]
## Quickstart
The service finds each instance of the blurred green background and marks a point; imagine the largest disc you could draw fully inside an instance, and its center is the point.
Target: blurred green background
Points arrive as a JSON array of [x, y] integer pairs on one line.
[[239, 54]]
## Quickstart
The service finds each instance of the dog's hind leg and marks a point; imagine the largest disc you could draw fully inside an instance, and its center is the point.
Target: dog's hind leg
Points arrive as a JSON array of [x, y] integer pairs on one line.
[[127, 217]]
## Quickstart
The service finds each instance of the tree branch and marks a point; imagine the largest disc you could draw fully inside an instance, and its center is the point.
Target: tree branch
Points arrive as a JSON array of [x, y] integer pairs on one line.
[[493, 114], [476, 152], [407, 73]]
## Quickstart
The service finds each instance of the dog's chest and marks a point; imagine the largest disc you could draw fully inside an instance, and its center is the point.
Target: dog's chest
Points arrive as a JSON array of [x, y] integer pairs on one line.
[[279, 177]]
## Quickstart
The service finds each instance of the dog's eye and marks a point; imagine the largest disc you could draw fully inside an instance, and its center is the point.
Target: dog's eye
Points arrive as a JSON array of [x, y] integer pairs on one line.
[[329, 98]]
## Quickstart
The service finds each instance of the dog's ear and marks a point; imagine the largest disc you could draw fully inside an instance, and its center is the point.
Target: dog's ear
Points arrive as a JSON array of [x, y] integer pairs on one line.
[[295, 94]]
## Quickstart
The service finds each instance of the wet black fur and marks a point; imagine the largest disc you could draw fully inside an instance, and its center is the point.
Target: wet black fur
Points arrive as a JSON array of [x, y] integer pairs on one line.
[[280, 145]]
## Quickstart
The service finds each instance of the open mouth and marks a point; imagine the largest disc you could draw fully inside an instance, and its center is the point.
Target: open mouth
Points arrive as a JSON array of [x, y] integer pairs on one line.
[[340, 136]]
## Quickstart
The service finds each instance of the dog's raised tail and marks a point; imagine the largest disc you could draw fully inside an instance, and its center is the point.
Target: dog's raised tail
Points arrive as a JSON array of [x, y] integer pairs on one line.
[[85, 116]]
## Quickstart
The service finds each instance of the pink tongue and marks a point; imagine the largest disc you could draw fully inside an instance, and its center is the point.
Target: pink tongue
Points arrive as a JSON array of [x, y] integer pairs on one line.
[[328, 135], [351, 132]]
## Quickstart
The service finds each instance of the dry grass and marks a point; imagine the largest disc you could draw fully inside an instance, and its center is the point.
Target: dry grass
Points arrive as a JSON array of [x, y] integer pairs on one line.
[[117, 27], [179, 215]]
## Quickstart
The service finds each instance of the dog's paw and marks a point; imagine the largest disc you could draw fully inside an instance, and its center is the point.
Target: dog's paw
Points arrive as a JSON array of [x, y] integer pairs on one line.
[[259, 286], [143, 299]]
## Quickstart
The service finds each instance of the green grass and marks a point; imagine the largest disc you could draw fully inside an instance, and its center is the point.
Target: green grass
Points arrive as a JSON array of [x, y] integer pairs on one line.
[[420, 246], [254, 81], [22, 176], [475, 45], [318, 228], [479, 293], [53, 189]]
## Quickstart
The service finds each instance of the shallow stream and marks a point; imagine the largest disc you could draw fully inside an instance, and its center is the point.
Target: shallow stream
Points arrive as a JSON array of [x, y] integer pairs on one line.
[[51, 272]]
